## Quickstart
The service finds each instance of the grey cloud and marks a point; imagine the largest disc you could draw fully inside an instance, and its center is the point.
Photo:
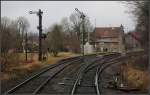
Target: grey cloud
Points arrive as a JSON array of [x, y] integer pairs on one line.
[[106, 13]]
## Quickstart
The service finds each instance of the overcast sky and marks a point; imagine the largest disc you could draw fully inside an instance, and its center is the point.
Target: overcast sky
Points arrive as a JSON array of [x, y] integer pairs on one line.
[[106, 13]]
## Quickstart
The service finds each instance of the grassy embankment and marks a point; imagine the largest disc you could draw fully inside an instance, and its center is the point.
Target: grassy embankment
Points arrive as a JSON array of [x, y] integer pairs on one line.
[[16, 65], [136, 73]]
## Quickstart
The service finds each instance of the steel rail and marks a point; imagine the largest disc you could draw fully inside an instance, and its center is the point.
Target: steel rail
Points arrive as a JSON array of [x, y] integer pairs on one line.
[[42, 71], [38, 74], [76, 82], [115, 60], [98, 77], [51, 77], [102, 60], [100, 65], [83, 70], [103, 66], [97, 74], [79, 76]]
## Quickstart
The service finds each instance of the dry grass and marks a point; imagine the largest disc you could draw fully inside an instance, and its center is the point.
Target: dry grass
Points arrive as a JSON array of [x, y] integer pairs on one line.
[[62, 55], [136, 77], [18, 67]]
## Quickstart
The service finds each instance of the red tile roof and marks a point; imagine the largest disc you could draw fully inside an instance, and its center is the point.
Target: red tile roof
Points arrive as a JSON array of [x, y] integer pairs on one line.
[[136, 35], [103, 32]]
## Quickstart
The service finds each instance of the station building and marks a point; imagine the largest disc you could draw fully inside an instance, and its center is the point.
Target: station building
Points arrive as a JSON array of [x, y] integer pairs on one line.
[[109, 39]]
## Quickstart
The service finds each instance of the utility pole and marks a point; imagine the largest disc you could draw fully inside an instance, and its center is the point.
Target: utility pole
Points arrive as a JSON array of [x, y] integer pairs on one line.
[[39, 14], [83, 36], [83, 30], [26, 41], [95, 36], [40, 34]]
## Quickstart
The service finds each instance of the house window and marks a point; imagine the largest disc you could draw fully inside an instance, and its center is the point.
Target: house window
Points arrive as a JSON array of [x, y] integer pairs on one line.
[[105, 49], [136, 45]]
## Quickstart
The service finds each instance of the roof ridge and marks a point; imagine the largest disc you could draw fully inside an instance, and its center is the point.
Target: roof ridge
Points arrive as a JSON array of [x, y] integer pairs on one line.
[[107, 27]]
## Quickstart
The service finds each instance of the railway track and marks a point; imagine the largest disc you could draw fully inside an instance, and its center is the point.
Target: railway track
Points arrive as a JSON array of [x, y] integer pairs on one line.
[[70, 76], [35, 83], [118, 60], [86, 85], [83, 81], [62, 82]]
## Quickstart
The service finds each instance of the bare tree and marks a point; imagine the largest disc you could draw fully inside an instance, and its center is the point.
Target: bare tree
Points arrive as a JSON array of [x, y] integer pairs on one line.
[[32, 41], [55, 40], [71, 40], [76, 24], [67, 35], [73, 29], [23, 25], [140, 10], [66, 25], [9, 35], [5, 36]]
